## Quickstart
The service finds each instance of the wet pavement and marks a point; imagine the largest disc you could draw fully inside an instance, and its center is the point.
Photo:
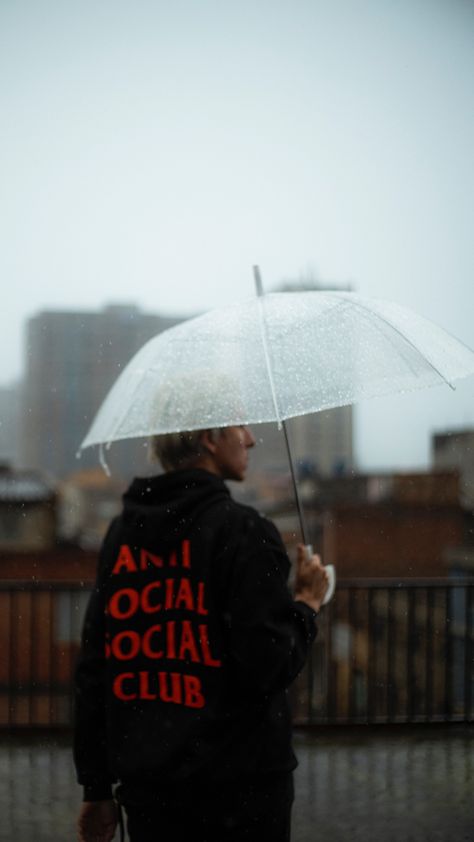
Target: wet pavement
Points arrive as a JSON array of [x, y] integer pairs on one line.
[[386, 785], [372, 784]]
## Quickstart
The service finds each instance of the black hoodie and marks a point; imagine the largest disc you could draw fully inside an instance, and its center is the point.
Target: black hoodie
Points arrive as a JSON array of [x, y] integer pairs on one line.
[[190, 640]]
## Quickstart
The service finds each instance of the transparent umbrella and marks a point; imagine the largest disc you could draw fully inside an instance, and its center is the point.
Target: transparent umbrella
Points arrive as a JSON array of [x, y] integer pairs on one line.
[[273, 357]]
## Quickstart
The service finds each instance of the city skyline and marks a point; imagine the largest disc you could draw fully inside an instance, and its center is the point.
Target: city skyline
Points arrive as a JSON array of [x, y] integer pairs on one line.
[[113, 312]]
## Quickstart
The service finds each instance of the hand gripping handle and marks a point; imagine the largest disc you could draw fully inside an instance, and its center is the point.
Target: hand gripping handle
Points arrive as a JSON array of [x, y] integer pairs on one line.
[[331, 571]]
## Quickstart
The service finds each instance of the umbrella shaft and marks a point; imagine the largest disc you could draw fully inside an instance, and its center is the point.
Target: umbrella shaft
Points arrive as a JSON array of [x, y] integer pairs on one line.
[[303, 527], [259, 291]]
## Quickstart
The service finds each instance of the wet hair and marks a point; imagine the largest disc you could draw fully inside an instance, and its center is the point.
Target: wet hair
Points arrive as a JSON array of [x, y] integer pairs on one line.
[[179, 450]]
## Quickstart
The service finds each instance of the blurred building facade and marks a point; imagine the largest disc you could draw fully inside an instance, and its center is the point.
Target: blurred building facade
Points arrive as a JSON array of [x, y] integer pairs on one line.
[[321, 445], [88, 500], [381, 525], [393, 525], [71, 360], [42, 601], [27, 512], [455, 449], [9, 423], [32, 548]]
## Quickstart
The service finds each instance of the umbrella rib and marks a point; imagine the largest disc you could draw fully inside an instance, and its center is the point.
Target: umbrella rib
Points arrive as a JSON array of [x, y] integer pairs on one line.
[[408, 341], [112, 436], [263, 335]]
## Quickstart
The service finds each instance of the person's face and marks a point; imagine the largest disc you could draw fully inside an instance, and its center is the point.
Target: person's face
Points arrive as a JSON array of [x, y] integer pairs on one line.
[[231, 452]]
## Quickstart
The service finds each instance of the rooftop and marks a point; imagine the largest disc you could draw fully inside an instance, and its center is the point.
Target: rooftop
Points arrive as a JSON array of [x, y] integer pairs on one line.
[[23, 486]]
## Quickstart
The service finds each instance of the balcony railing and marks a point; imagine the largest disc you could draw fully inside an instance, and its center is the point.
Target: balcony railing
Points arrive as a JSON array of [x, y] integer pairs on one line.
[[392, 651], [40, 629], [387, 651]]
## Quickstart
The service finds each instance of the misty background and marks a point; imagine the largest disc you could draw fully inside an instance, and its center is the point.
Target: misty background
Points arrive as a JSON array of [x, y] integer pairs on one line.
[[151, 154]]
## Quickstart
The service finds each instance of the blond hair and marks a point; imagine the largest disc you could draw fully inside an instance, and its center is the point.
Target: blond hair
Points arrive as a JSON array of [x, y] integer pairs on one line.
[[179, 450]]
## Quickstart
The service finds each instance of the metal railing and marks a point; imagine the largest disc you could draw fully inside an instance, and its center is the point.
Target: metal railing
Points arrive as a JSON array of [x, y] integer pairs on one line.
[[40, 631], [387, 651], [390, 651]]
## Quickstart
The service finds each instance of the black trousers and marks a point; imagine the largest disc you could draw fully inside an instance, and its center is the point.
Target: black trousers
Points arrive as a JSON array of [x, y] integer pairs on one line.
[[259, 812]]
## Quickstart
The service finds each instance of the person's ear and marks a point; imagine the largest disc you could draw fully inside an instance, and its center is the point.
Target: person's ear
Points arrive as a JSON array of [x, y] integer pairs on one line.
[[207, 441]]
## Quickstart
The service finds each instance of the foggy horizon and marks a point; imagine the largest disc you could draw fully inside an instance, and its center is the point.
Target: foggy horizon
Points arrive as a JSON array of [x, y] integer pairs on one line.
[[155, 154]]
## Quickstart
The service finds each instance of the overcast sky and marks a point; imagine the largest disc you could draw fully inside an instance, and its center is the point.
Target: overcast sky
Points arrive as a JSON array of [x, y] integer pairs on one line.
[[151, 152]]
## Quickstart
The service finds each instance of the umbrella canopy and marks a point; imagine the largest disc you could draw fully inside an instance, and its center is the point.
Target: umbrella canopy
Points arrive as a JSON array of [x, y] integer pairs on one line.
[[275, 357]]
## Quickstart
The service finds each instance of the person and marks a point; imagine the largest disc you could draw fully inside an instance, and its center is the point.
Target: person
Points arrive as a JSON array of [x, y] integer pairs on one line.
[[190, 642]]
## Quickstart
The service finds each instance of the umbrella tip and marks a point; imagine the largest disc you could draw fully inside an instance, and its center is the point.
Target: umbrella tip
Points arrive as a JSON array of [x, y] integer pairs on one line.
[[258, 280]]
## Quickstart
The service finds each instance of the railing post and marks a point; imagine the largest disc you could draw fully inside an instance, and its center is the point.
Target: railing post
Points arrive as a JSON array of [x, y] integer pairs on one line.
[[468, 652], [412, 639], [429, 654], [448, 670]]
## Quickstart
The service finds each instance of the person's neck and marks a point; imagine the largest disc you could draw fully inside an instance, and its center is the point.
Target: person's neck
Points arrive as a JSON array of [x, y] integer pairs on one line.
[[207, 463]]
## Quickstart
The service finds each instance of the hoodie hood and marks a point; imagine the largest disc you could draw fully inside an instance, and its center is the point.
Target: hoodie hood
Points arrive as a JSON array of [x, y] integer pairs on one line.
[[177, 497]]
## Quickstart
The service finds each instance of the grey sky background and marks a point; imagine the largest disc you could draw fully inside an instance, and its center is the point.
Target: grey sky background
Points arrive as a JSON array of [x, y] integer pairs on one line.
[[153, 152]]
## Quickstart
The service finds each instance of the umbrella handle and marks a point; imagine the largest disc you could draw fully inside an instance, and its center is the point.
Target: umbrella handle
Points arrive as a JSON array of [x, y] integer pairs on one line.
[[331, 571]]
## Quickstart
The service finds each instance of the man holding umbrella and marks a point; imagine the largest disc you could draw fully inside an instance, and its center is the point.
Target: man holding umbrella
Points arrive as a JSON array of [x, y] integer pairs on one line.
[[190, 642]]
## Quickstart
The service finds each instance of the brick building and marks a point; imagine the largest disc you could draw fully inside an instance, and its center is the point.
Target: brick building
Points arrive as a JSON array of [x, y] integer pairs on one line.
[[389, 525], [43, 592], [393, 526]]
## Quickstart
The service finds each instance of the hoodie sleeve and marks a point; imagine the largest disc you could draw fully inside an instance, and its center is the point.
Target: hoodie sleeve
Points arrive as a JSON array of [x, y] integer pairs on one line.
[[270, 633], [90, 746]]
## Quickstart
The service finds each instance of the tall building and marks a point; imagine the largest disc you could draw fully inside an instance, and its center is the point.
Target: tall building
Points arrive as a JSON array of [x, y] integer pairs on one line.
[[9, 419], [72, 359], [455, 449], [321, 444]]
